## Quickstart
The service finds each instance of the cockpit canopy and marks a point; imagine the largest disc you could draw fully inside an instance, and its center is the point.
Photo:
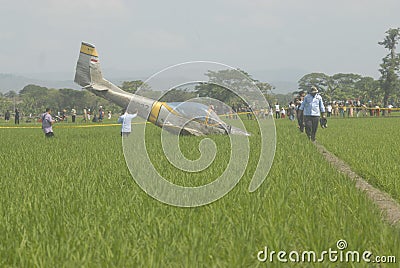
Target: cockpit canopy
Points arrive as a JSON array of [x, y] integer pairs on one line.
[[198, 112]]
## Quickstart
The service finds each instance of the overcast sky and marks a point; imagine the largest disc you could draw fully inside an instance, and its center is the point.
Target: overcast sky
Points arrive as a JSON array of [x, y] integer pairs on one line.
[[144, 37]]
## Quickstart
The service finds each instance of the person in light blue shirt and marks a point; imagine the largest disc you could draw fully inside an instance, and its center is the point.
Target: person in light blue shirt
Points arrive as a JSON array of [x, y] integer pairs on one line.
[[312, 108], [126, 120]]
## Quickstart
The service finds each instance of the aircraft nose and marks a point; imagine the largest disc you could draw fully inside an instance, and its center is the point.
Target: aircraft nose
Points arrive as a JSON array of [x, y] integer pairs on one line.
[[238, 131]]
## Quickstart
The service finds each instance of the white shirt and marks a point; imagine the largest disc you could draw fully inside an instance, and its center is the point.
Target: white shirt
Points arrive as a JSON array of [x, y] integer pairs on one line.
[[126, 120]]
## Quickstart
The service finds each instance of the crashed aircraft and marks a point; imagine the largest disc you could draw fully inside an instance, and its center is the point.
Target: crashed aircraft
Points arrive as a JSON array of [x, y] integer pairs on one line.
[[185, 118]]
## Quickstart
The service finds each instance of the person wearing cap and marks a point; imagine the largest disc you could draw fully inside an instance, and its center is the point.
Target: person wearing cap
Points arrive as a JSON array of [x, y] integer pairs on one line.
[[312, 109]]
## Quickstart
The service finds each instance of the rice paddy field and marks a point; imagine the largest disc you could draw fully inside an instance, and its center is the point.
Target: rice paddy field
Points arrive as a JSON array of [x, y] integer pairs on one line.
[[371, 146], [71, 201]]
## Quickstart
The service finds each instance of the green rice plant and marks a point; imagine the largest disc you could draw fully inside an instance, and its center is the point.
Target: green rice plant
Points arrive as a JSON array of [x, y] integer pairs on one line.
[[71, 201], [370, 146]]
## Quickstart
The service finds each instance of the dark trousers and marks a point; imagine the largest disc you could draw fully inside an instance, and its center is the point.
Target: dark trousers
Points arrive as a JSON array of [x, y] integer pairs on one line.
[[300, 120], [311, 124]]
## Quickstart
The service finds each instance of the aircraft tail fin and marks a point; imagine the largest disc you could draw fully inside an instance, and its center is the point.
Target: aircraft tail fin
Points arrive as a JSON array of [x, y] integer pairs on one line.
[[88, 71]]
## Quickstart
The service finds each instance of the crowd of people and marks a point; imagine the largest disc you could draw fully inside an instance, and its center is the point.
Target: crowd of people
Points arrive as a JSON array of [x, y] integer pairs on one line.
[[61, 116], [339, 109]]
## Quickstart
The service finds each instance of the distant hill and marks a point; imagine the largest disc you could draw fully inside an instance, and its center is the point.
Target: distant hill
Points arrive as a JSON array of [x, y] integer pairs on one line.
[[17, 82]]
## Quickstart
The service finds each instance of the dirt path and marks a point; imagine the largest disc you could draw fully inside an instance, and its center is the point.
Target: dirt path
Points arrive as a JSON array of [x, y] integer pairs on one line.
[[389, 207]]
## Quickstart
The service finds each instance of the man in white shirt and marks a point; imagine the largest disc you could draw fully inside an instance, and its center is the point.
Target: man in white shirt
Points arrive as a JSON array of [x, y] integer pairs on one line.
[[390, 107], [329, 109], [277, 111], [126, 120]]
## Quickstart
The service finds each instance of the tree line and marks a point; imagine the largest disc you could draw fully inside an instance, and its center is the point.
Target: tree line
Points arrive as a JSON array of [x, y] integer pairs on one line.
[[34, 99]]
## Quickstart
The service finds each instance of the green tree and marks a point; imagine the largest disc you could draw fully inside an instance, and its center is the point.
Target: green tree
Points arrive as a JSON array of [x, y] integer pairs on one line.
[[319, 80], [34, 98], [239, 81], [369, 89], [343, 86], [11, 99], [5, 104], [132, 86], [215, 91], [11, 94], [389, 67]]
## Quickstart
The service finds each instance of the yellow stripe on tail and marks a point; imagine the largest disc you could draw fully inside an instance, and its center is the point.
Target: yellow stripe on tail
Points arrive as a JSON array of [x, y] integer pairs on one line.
[[89, 49]]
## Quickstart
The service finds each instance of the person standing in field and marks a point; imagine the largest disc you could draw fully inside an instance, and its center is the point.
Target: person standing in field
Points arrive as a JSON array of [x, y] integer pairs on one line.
[[277, 111], [47, 123], [249, 113], [16, 117], [73, 112], [283, 112], [371, 110], [299, 114], [101, 114], [312, 108], [235, 110], [351, 108], [7, 116], [126, 120], [292, 111], [341, 110], [329, 109], [364, 110], [389, 111], [335, 108], [84, 115], [270, 113]]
